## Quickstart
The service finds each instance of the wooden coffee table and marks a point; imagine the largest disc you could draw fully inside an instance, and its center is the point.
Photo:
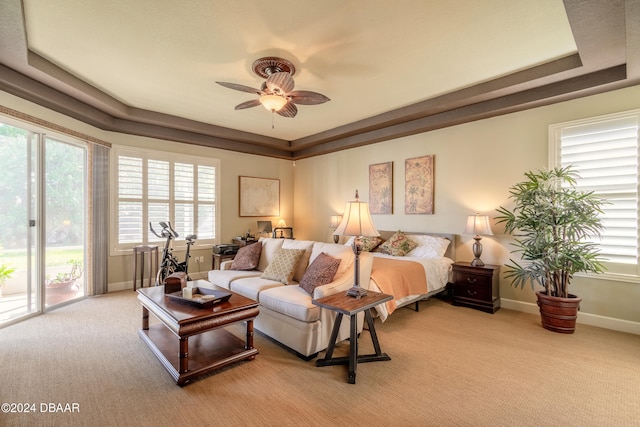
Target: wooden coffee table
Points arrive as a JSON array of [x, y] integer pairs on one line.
[[216, 347]]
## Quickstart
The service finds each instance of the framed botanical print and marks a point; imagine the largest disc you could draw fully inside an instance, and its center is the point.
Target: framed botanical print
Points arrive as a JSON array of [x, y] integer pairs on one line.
[[381, 188], [259, 196], [418, 185]]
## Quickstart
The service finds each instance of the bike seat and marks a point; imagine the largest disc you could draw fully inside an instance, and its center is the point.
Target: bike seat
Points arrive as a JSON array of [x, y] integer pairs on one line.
[[191, 237]]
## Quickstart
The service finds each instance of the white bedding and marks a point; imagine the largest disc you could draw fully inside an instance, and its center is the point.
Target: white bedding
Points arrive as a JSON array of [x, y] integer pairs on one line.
[[437, 271]]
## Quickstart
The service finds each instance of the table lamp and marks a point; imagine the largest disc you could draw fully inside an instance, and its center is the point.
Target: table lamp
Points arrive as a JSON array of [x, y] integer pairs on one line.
[[478, 225], [335, 222], [356, 221]]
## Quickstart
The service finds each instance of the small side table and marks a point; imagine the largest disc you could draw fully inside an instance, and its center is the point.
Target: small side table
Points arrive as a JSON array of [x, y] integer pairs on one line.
[[217, 260], [343, 304], [152, 250]]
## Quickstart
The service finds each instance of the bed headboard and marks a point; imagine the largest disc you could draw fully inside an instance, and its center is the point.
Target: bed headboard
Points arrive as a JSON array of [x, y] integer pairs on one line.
[[451, 250]]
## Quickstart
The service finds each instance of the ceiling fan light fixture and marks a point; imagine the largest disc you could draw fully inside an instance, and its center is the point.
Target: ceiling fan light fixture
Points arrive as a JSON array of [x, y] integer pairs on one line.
[[273, 102]]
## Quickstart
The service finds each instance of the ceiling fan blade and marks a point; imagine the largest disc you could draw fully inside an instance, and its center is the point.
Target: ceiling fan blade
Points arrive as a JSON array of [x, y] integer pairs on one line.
[[306, 97], [248, 104], [289, 110], [280, 82], [241, 88]]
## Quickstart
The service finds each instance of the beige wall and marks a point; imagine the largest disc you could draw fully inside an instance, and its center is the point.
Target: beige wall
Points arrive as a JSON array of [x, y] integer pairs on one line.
[[475, 164]]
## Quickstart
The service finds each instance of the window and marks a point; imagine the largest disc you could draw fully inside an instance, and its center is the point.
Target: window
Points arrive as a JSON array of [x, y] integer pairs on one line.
[[604, 152], [154, 186]]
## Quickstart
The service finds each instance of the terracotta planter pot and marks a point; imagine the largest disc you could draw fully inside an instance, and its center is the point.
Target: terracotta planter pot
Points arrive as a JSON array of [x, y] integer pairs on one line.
[[559, 314]]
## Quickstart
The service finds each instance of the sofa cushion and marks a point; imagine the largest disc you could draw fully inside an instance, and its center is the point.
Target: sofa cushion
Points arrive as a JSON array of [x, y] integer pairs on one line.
[[320, 272], [270, 247], [247, 257], [283, 266], [398, 245], [223, 278], [307, 245], [252, 287], [345, 253], [292, 301]]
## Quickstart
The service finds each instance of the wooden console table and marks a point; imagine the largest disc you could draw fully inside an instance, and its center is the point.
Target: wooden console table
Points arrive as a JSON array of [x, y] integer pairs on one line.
[[343, 304]]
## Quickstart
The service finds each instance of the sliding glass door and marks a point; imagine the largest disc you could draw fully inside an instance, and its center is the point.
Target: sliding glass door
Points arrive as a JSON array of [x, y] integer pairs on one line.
[[42, 221]]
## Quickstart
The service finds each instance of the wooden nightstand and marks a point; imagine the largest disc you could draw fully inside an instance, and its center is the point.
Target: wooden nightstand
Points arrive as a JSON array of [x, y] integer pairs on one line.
[[476, 287]]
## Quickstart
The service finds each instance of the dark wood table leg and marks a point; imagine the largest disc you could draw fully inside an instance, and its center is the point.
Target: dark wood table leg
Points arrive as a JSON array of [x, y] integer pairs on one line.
[[353, 350], [145, 318], [183, 356], [372, 332], [332, 342], [135, 269], [249, 344]]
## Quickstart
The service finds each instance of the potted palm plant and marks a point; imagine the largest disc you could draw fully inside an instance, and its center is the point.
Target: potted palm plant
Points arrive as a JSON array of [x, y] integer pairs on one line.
[[551, 222]]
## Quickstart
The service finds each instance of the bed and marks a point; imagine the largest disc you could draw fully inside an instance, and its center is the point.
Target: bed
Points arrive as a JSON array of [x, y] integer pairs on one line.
[[414, 277]]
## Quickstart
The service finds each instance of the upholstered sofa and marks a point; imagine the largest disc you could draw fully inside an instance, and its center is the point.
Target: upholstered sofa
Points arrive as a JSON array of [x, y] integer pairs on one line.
[[287, 313]]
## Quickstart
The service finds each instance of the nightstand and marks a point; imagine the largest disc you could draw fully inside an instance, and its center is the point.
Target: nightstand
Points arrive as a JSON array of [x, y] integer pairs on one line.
[[476, 287]]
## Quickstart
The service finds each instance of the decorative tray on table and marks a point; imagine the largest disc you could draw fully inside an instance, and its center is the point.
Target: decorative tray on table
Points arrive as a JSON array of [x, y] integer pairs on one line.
[[201, 297]]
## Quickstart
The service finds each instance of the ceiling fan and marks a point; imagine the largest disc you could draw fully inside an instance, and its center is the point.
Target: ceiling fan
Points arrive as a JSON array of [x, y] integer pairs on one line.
[[276, 94]]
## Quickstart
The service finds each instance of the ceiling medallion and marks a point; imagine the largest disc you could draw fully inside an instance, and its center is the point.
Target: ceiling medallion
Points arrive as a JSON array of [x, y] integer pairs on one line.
[[268, 65]]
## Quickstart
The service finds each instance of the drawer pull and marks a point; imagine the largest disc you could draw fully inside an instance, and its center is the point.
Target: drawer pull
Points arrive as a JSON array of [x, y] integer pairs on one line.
[[472, 293], [471, 280]]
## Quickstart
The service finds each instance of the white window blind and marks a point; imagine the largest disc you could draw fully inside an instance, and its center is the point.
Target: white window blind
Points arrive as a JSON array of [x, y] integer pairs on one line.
[[152, 187], [604, 152]]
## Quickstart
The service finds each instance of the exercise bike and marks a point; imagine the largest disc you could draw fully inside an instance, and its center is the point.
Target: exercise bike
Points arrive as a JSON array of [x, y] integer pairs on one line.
[[169, 263]]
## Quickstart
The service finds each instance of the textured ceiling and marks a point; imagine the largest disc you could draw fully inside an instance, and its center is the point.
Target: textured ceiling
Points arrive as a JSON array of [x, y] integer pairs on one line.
[[149, 67]]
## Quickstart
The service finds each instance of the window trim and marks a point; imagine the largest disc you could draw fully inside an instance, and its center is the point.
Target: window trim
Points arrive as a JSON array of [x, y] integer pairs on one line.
[[116, 249], [554, 159]]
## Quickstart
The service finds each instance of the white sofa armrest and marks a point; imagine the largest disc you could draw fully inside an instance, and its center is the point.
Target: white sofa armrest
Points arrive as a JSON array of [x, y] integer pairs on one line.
[[345, 281], [226, 265]]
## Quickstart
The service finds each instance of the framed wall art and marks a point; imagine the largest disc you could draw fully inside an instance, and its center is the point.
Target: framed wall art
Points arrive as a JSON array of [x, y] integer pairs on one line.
[[381, 188], [418, 185], [259, 196]]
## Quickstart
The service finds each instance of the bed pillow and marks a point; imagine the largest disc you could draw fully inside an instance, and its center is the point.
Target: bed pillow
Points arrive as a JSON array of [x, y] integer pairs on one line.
[[283, 266], [320, 272], [368, 243], [429, 246], [398, 245], [247, 257]]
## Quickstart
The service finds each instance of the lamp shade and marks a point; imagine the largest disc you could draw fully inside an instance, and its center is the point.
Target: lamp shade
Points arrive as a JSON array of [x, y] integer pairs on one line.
[[356, 220], [272, 102], [281, 223], [335, 221], [478, 225]]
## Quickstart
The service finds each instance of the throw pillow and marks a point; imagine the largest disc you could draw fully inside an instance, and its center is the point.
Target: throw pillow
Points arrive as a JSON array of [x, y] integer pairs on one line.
[[398, 245], [283, 266], [368, 243], [320, 272], [247, 257]]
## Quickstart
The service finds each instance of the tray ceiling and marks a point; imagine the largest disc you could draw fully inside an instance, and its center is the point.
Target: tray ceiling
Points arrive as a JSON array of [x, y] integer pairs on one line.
[[391, 68]]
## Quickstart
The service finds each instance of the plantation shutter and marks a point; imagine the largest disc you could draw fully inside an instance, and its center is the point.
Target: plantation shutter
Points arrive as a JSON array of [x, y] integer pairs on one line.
[[605, 154]]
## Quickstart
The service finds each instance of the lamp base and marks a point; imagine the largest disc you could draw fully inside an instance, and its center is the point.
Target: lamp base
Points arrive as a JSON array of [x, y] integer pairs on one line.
[[336, 238], [477, 262], [356, 292]]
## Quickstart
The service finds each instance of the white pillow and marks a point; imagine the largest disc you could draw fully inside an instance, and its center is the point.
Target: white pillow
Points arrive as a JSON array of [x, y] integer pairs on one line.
[[269, 248], [428, 246]]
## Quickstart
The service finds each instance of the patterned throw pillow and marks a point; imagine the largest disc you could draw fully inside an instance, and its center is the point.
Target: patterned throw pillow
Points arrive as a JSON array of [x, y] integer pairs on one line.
[[398, 245], [283, 266], [368, 243], [320, 272], [247, 257]]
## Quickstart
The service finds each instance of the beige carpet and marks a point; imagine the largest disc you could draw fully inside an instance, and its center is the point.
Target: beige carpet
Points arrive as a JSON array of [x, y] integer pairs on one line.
[[451, 366]]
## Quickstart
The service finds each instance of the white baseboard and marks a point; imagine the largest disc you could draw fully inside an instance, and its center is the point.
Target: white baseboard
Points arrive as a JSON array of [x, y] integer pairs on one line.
[[123, 286], [585, 318]]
